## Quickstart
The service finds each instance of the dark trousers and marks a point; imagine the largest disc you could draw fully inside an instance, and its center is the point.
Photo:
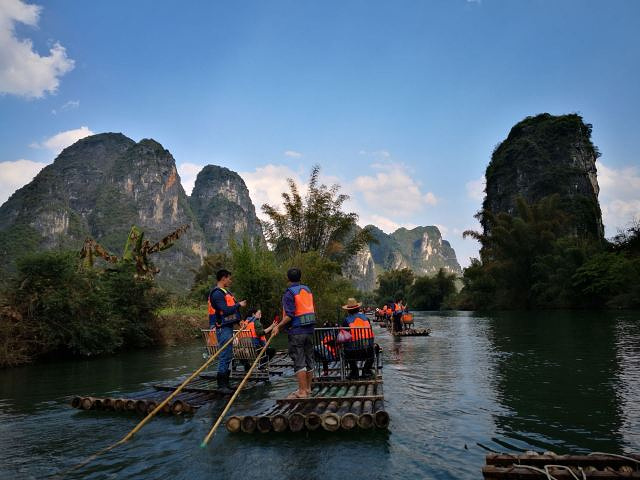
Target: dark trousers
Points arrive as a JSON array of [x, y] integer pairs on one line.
[[353, 356]]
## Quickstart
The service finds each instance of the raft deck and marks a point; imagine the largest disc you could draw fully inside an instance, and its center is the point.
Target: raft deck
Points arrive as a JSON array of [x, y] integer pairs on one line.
[[333, 405]]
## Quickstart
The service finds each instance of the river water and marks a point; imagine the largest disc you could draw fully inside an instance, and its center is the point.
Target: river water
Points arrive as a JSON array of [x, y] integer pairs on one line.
[[567, 382]]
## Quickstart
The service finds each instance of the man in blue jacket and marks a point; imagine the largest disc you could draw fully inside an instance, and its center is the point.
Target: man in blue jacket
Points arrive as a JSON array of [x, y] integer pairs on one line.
[[299, 320], [226, 314]]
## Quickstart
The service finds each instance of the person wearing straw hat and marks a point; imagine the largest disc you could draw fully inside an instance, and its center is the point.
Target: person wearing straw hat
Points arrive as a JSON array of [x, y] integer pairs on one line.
[[361, 345]]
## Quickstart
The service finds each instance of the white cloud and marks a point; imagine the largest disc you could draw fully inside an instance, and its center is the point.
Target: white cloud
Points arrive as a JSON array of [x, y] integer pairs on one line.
[[383, 223], [24, 71], [267, 183], [62, 140], [188, 173], [292, 154], [15, 174], [376, 153], [70, 105], [619, 196], [475, 188], [392, 192]]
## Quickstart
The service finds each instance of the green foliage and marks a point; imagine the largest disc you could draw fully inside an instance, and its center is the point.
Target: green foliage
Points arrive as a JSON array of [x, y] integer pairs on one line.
[[70, 310], [205, 276], [528, 262], [394, 284], [430, 293], [256, 277], [315, 223]]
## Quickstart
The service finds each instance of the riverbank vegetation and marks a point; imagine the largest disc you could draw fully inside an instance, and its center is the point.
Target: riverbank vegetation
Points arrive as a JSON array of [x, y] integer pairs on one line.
[[528, 261], [419, 292]]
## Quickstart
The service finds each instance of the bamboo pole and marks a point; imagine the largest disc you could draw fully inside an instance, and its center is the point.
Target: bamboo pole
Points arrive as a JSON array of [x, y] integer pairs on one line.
[[313, 420], [329, 420], [347, 419], [235, 394], [296, 418], [381, 417], [279, 420], [234, 424], [365, 421], [263, 423], [248, 424]]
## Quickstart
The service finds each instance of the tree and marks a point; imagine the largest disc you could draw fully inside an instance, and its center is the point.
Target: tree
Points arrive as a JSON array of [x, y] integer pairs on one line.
[[394, 284], [136, 250], [315, 223], [256, 277], [511, 245]]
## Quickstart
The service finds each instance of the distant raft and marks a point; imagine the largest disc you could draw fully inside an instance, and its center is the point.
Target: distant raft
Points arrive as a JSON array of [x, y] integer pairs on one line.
[[145, 402], [344, 405], [533, 465], [424, 332]]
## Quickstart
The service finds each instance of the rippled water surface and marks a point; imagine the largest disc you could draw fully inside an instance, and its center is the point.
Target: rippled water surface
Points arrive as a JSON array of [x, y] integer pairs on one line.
[[568, 382]]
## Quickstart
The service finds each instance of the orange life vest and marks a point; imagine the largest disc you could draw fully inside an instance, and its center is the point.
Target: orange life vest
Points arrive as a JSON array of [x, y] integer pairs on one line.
[[327, 343], [304, 314], [252, 330], [361, 322], [215, 318]]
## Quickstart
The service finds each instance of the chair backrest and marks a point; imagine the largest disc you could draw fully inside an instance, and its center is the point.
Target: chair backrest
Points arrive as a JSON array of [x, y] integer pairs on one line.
[[244, 348], [210, 340]]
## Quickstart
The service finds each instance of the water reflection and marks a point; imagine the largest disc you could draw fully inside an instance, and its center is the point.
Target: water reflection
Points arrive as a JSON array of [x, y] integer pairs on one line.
[[559, 379]]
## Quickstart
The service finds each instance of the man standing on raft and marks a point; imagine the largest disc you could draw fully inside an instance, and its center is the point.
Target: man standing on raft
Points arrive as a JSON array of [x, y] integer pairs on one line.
[[298, 310], [224, 313]]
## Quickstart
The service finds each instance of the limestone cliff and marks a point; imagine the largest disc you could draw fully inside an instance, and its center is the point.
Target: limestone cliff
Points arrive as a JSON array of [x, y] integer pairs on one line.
[[545, 155], [221, 203], [100, 186], [421, 249]]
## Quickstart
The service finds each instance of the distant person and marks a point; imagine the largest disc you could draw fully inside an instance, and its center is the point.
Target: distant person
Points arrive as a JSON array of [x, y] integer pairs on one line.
[[257, 332], [397, 311], [299, 320], [226, 314], [361, 345]]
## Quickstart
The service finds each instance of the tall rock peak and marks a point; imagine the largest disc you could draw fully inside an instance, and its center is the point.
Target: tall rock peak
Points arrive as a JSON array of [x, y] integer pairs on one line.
[[221, 202], [545, 155]]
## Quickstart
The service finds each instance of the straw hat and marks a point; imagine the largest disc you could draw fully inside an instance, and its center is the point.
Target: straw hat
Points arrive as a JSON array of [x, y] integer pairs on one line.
[[351, 303]]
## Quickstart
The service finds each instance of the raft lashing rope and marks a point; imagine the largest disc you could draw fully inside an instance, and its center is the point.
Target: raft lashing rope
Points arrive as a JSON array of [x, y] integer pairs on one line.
[[332, 406]]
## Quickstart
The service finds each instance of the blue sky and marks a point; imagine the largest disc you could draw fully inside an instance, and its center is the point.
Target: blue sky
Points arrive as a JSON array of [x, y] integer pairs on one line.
[[401, 102]]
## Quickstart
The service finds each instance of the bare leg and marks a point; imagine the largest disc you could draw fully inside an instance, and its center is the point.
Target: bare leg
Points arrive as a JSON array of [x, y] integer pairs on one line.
[[301, 376], [309, 380]]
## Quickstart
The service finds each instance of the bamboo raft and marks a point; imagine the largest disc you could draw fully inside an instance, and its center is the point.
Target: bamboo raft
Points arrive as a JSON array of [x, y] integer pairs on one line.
[[193, 396], [533, 465], [144, 402], [424, 332], [332, 406]]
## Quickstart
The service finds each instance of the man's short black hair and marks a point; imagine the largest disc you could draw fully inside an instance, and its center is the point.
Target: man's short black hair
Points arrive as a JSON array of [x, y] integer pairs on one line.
[[220, 274], [252, 312], [294, 274]]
